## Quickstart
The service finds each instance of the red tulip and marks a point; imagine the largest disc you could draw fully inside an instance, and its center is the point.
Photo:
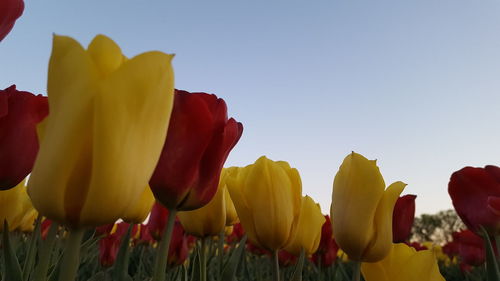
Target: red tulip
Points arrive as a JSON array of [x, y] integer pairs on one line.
[[157, 221], [402, 218], [199, 139], [475, 193], [451, 249], [236, 235], [417, 246], [470, 247], [286, 259], [180, 243], [20, 112], [10, 11], [256, 250], [110, 244], [45, 227], [328, 248]]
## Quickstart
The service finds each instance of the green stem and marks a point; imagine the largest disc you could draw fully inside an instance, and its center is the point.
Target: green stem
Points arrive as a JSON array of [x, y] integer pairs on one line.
[[220, 245], [203, 259], [356, 274], [497, 242], [45, 252], [276, 266], [492, 269], [30, 257], [162, 254], [71, 258]]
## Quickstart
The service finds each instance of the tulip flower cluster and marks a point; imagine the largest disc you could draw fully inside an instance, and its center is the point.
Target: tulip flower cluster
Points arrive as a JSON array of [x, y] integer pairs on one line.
[[126, 173]]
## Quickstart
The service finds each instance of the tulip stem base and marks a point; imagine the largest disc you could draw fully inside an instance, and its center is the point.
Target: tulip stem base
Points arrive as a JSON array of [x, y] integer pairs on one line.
[[71, 257], [162, 253], [276, 266], [356, 274]]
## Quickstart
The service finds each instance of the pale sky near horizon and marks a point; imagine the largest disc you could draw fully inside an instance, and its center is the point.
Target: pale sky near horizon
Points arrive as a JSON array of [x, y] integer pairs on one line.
[[414, 84]]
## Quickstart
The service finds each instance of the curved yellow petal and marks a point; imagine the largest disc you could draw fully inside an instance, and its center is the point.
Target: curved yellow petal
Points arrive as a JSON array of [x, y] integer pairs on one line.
[[235, 185], [403, 263], [72, 85], [380, 246], [124, 119], [308, 234]]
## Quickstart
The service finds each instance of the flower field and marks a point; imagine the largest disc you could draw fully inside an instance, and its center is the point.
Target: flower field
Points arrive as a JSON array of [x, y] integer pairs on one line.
[[115, 174]]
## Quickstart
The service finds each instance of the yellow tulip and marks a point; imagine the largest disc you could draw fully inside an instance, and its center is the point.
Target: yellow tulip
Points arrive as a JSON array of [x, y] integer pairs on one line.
[[361, 209], [403, 263], [231, 214], [141, 209], [16, 208], [438, 252], [267, 197], [208, 220], [104, 133], [28, 214], [308, 234]]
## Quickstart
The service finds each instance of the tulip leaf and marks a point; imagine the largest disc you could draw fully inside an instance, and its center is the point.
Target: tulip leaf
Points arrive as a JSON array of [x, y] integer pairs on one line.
[[120, 269], [229, 272], [11, 264], [297, 272], [492, 271], [30, 256], [196, 268]]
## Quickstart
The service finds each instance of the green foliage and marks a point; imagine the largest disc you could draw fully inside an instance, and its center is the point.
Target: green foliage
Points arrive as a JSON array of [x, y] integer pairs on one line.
[[437, 227]]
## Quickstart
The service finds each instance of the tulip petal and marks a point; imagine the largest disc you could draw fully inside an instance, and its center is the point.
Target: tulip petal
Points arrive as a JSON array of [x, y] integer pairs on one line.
[[380, 245], [106, 54], [236, 186], [66, 144], [132, 111], [192, 126]]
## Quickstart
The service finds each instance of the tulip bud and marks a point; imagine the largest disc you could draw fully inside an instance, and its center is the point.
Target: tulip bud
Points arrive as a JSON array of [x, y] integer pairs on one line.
[[231, 214], [157, 221], [104, 135], [200, 137], [475, 193], [308, 233], [10, 11], [402, 218], [403, 263], [328, 248], [20, 112], [362, 209], [267, 197], [16, 208]]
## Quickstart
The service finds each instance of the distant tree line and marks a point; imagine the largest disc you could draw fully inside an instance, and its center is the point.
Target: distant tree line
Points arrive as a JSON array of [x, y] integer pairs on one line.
[[436, 227]]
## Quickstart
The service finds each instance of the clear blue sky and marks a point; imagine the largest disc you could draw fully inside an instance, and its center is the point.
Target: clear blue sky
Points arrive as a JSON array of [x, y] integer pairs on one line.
[[414, 84]]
